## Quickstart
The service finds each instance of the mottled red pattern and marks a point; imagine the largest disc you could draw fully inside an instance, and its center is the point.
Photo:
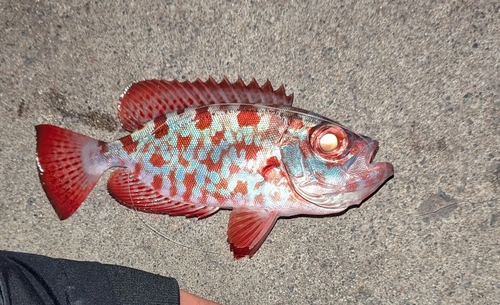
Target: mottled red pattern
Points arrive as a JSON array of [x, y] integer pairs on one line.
[[218, 137], [183, 142], [157, 160], [203, 118], [296, 123], [271, 163], [157, 182], [248, 116], [161, 127], [211, 165], [189, 183], [137, 169], [233, 169], [241, 187], [173, 189], [251, 151], [129, 145]]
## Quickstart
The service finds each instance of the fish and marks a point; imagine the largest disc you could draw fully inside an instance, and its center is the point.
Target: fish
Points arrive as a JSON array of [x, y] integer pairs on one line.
[[197, 147]]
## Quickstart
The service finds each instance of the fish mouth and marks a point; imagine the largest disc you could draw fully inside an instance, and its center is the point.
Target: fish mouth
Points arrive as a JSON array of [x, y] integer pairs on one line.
[[382, 170], [372, 152]]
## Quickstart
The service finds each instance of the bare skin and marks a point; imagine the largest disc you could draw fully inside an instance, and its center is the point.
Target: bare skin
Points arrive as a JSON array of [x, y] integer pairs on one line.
[[189, 299]]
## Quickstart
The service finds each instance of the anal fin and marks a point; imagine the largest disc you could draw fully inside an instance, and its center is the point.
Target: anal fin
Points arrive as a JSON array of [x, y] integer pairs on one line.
[[132, 192], [248, 229]]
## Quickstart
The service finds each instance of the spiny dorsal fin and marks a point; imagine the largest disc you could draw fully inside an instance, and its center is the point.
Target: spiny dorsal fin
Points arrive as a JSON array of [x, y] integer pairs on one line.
[[146, 100]]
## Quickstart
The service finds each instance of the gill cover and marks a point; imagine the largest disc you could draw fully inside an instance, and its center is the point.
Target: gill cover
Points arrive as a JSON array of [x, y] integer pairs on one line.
[[329, 166]]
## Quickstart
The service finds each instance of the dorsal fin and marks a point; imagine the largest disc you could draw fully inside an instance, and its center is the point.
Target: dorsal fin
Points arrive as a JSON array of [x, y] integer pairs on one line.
[[146, 100]]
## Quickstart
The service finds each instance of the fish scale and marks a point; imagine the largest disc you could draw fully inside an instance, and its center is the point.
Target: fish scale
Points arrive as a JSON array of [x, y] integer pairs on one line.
[[220, 172], [197, 147]]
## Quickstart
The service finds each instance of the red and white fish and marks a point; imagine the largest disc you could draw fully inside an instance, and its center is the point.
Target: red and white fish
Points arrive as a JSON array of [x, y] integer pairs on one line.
[[197, 147]]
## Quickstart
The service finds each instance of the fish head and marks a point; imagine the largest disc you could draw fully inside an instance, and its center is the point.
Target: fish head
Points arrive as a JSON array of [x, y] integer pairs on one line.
[[329, 165]]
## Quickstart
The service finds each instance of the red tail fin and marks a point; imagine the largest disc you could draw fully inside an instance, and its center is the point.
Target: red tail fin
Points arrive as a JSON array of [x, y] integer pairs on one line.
[[69, 166]]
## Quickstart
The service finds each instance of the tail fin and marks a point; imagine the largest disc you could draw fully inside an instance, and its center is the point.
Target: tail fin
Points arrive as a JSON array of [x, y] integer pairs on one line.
[[69, 166]]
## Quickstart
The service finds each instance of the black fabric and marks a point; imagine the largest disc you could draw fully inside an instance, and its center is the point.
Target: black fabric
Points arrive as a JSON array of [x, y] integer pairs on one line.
[[34, 279]]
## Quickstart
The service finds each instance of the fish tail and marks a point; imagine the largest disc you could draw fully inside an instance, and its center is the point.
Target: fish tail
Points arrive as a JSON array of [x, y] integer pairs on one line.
[[69, 166]]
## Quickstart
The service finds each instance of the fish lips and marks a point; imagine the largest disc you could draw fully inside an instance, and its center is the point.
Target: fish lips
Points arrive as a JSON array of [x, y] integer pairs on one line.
[[382, 170]]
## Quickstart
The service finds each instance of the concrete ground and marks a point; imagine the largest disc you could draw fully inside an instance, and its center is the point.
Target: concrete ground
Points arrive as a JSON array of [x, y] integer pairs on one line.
[[422, 78]]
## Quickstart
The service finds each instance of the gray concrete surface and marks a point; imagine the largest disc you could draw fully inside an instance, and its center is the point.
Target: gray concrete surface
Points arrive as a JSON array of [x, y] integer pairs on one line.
[[422, 78]]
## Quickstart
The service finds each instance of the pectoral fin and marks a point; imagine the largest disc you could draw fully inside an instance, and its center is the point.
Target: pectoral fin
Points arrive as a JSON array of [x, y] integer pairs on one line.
[[248, 229]]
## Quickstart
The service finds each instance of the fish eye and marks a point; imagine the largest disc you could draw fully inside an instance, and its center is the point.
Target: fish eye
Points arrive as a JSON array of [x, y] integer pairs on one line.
[[328, 142]]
